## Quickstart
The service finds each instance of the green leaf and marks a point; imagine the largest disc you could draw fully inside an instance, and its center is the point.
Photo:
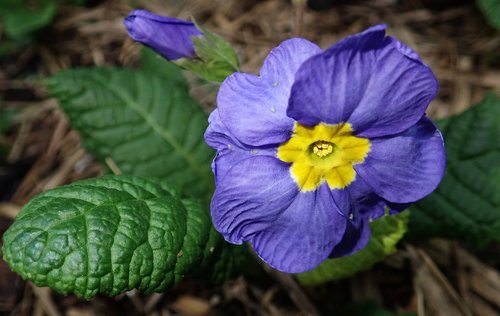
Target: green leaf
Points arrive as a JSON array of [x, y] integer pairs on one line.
[[216, 58], [144, 121], [227, 262], [466, 205], [110, 235], [491, 10], [386, 231], [7, 116], [154, 63], [22, 18]]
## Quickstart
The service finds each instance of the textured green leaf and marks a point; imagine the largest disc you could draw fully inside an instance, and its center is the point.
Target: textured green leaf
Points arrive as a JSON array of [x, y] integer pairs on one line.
[[491, 10], [21, 18], [387, 231], [466, 205], [226, 263], [144, 120], [110, 235], [216, 58]]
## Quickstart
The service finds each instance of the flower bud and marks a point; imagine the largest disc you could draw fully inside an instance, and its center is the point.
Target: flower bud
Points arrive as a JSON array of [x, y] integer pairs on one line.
[[168, 36]]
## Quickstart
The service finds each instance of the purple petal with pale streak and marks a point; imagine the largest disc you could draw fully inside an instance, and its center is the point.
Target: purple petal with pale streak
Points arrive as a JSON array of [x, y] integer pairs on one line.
[[254, 107], [169, 37], [406, 167], [374, 82], [252, 196], [304, 235], [404, 49], [229, 150]]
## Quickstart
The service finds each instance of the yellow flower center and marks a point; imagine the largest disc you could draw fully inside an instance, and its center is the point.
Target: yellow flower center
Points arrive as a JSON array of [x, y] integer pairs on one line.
[[323, 153], [322, 148]]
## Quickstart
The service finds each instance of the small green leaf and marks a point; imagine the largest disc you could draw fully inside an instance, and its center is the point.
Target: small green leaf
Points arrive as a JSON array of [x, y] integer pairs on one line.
[[145, 121], [386, 231], [216, 58], [466, 205], [110, 235], [491, 10], [21, 19]]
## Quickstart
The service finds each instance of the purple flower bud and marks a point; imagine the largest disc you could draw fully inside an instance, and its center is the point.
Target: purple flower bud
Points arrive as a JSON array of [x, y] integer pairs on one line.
[[169, 37]]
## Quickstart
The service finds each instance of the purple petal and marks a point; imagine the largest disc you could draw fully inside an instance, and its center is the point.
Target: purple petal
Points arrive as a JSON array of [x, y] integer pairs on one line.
[[358, 200], [404, 49], [395, 208], [359, 204], [376, 83], [229, 150], [169, 37], [406, 167], [254, 107], [251, 196], [356, 237], [304, 235]]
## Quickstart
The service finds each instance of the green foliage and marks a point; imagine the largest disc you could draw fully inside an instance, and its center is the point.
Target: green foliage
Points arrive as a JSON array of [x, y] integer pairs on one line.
[[491, 10], [144, 120], [156, 64], [226, 263], [216, 58], [387, 231], [22, 18], [466, 205], [110, 235], [6, 118]]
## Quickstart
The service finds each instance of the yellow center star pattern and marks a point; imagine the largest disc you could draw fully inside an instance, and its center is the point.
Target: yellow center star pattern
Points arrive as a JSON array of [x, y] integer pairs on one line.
[[323, 153]]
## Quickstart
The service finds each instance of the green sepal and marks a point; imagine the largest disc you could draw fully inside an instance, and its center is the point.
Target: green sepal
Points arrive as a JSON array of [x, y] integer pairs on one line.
[[386, 232], [216, 59]]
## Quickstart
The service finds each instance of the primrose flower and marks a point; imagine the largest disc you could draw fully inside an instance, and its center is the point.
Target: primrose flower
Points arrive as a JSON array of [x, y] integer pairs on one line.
[[169, 37], [320, 144]]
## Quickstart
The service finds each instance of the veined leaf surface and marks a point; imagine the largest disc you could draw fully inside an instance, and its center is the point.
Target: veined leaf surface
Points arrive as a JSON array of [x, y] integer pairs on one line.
[[110, 235], [466, 205], [144, 121]]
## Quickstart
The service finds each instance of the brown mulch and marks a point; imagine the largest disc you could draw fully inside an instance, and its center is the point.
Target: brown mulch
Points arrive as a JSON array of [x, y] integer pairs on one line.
[[436, 278]]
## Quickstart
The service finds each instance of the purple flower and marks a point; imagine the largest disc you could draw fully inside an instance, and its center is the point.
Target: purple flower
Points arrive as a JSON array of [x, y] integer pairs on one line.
[[321, 143], [169, 37]]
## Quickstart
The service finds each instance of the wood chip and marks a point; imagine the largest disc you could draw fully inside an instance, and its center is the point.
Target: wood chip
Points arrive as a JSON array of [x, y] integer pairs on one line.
[[191, 306]]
